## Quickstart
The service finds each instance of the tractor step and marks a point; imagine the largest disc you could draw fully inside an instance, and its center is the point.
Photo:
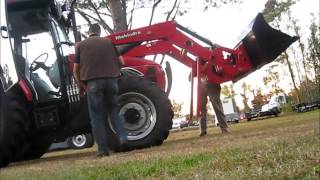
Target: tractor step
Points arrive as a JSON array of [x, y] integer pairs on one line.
[[47, 117]]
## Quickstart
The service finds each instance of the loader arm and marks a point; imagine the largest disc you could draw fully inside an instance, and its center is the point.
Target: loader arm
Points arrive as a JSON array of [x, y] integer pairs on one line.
[[260, 45]]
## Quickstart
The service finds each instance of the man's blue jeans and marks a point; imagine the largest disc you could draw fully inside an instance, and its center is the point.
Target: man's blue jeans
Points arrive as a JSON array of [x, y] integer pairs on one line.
[[102, 98]]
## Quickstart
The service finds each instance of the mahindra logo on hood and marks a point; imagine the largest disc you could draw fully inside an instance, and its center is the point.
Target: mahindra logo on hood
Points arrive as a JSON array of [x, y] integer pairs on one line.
[[127, 35]]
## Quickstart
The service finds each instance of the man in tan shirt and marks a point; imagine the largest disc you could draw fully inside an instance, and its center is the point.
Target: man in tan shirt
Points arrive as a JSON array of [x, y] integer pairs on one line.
[[98, 65], [213, 91]]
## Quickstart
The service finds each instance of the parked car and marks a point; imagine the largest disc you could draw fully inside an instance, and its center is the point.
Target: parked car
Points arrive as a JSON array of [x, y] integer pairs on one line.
[[242, 116], [230, 111], [184, 123], [175, 124], [273, 107], [179, 123], [253, 113]]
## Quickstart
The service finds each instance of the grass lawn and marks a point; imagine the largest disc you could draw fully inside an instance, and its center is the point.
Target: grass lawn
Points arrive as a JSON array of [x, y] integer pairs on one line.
[[287, 147]]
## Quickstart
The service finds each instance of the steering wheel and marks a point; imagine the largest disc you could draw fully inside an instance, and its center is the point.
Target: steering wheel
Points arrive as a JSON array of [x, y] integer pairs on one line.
[[36, 65]]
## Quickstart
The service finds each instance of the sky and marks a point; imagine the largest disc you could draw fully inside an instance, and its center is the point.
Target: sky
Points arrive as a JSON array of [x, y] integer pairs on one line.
[[223, 26]]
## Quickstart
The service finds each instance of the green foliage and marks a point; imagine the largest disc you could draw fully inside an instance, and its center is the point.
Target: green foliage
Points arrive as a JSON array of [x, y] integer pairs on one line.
[[314, 50], [274, 9], [271, 80], [218, 3], [309, 91], [228, 91], [308, 74], [245, 89], [259, 100], [287, 108], [177, 108]]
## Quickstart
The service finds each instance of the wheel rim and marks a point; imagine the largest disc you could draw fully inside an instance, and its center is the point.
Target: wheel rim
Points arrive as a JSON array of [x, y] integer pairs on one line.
[[79, 140], [138, 115]]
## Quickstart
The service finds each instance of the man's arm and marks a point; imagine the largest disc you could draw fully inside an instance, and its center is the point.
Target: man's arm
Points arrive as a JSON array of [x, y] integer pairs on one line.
[[121, 61], [76, 71]]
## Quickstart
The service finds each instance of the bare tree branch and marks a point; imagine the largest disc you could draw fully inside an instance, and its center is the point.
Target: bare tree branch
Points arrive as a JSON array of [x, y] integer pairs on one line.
[[153, 9], [175, 14], [101, 21], [139, 7], [87, 17], [84, 15], [131, 15], [105, 14], [106, 4], [172, 9]]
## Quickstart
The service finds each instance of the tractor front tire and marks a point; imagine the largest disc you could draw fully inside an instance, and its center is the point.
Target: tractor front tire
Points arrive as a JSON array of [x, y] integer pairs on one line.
[[33, 148], [13, 124], [80, 141], [146, 113]]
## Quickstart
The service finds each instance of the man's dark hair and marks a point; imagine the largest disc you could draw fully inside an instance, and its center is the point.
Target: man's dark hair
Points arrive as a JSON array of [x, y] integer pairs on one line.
[[95, 29]]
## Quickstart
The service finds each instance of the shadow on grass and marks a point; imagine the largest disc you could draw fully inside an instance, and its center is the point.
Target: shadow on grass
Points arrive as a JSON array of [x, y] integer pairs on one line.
[[72, 156]]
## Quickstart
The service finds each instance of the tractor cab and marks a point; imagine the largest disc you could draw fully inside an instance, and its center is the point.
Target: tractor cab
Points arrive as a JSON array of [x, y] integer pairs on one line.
[[37, 32], [40, 46]]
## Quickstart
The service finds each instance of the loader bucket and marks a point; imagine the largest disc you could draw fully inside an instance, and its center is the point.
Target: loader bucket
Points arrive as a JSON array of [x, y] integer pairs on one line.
[[263, 43]]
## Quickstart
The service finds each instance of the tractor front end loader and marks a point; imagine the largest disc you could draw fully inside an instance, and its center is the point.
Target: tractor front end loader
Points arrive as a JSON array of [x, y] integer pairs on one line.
[[260, 45]]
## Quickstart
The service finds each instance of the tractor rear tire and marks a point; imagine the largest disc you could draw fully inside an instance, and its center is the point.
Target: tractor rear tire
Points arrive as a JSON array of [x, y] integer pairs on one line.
[[13, 124], [146, 113]]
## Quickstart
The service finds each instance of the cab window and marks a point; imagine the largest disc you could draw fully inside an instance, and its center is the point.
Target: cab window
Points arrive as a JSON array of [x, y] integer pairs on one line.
[[8, 74]]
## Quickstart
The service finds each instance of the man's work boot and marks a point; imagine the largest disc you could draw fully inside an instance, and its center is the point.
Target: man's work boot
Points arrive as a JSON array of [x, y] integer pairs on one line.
[[123, 140], [123, 143], [203, 133], [102, 154]]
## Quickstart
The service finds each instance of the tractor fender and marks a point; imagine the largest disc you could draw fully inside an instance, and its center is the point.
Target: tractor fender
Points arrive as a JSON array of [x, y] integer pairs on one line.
[[28, 90]]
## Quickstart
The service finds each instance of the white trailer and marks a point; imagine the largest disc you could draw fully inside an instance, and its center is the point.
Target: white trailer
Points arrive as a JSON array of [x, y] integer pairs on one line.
[[230, 111]]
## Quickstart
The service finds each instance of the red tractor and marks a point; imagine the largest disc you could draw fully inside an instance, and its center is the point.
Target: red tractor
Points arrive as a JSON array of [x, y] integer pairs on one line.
[[39, 100]]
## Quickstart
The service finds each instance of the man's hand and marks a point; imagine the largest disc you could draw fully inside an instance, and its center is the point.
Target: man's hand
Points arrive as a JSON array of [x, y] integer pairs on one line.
[[81, 90], [121, 60]]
